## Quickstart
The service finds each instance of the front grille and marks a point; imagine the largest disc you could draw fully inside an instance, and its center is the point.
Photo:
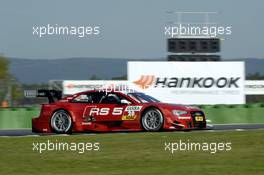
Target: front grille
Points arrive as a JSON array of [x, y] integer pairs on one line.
[[199, 120]]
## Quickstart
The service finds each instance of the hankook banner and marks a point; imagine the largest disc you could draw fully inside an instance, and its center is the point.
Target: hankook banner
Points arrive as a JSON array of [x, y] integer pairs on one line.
[[190, 82]]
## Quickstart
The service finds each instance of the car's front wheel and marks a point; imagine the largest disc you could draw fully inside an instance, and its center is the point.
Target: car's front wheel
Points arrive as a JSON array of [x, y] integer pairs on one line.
[[61, 122], [152, 120]]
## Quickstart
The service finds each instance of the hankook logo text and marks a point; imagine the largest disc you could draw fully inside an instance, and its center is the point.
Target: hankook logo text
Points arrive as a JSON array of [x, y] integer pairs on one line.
[[146, 81]]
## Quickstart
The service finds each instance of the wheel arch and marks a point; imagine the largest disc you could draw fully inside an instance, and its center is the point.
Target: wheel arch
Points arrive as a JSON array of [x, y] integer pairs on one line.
[[70, 113], [146, 109], [150, 107], [62, 109]]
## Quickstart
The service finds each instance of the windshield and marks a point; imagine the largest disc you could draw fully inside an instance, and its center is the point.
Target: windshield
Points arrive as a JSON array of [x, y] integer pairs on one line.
[[142, 98]]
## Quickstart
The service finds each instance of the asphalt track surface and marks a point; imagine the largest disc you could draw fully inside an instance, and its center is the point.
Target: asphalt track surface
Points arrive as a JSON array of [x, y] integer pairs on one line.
[[218, 127]]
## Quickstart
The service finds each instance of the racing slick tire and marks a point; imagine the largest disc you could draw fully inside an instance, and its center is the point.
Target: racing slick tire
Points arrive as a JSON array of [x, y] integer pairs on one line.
[[152, 120], [61, 122]]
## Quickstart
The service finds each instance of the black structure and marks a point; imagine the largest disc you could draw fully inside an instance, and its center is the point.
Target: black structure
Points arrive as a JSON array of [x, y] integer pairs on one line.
[[193, 49], [194, 57]]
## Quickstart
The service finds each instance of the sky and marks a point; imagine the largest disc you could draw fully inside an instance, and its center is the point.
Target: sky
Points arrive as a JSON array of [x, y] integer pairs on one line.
[[128, 28]]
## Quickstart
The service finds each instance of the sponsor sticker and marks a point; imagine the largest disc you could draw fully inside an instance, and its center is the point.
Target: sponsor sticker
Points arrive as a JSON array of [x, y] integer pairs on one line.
[[129, 117], [130, 112], [133, 108]]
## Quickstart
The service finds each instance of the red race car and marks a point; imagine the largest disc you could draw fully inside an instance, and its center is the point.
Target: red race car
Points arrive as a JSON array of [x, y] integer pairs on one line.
[[99, 111]]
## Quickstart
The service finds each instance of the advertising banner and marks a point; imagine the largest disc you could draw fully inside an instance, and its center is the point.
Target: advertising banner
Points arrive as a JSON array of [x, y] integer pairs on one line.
[[190, 82], [254, 87], [75, 86]]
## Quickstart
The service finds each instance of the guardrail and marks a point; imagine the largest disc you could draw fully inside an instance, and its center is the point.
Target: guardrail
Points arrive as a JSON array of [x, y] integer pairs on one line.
[[13, 118]]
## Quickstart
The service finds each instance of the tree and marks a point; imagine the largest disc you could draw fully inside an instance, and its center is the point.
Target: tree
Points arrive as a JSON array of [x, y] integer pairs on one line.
[[255, 76], [124, 77], [94, 77], [4, 64], [9, 88]]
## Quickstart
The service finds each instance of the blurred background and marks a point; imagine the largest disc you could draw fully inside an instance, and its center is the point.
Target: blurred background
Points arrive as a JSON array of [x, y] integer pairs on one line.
[[129, 31]]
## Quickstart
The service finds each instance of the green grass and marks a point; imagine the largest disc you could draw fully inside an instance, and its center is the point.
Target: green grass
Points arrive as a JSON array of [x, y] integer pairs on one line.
[[136, 153]]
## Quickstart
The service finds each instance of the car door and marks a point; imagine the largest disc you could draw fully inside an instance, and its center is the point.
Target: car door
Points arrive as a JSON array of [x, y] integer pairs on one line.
[[81, 104], [109, 108]]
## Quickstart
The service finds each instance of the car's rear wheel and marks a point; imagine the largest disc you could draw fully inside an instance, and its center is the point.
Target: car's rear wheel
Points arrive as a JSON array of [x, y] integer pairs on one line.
[[61, 122], [152, 120]]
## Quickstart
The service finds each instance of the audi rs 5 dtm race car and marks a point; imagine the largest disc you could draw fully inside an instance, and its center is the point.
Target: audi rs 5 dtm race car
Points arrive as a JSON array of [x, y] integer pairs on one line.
[[95, 110]]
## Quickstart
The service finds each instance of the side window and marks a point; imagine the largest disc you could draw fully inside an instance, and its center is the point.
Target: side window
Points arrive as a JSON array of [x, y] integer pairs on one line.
[[97, 96], [83, 98], [113, 98], [93, 97]]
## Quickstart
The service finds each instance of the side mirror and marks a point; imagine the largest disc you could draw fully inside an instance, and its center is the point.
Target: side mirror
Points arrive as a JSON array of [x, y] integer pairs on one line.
[[124, 101]]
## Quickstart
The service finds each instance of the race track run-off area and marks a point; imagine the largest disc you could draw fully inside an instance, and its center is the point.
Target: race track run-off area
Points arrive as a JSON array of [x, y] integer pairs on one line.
[[132, 153]]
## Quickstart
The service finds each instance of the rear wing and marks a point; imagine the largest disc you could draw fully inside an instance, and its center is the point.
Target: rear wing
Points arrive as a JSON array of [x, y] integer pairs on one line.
[[52, 95]]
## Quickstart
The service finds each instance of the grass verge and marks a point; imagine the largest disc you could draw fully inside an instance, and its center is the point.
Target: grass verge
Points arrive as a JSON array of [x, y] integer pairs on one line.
[[136, 153]]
